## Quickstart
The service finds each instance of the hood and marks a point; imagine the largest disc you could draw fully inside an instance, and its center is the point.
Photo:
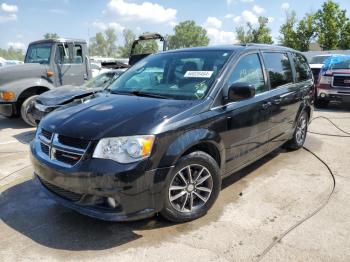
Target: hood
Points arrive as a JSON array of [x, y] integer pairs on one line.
[[64, 94], [21, 71], [109, 115]]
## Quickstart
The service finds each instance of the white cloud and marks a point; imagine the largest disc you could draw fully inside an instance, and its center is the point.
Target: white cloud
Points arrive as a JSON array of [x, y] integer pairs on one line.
[[218, 36], [103, 26], [258, 9], [8, 18], [229, 16], [58, 11], [285, 6], [146, 11], [9, 8], [213, 22], [271, 19], [246, 17], [16, 45]]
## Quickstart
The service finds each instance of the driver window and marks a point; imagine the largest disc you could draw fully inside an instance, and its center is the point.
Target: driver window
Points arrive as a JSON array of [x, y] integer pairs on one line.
[[62, 57], [248, 70]]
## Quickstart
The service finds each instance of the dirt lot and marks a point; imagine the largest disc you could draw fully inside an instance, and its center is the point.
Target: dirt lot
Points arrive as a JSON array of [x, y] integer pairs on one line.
[[257, 216]]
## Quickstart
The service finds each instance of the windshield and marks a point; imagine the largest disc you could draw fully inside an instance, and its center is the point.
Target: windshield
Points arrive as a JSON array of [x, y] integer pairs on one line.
[[38, 53], [319, 59], [103, 80], [178, 75]]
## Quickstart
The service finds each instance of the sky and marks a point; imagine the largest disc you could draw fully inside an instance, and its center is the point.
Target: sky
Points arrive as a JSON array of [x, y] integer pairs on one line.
[[23, 21]]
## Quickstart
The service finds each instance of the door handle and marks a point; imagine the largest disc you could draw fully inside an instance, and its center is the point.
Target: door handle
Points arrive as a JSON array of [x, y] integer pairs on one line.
[[266, 105], [277, 100]]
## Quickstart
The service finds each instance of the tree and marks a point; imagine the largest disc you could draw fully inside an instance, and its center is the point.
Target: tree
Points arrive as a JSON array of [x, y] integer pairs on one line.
[[129, 38], [288, 32], [330, 20], [305, 32], [344, 42], [103, 44], [260, 34], [12, 54], [188, 34], [51, 36]]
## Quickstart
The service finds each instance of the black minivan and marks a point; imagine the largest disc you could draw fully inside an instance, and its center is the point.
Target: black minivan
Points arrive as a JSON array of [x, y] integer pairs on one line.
[[167, 131]]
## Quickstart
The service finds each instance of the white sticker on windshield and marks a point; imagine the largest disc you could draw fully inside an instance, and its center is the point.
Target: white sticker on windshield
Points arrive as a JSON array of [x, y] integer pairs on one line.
[[199, 74]]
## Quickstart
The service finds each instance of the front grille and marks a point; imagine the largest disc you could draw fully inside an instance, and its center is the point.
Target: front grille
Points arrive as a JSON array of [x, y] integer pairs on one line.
[[67, 158], [71, 196], [315, 72], [46, 134], [45, 148], [343, 81], [73, 142], [64, 150]]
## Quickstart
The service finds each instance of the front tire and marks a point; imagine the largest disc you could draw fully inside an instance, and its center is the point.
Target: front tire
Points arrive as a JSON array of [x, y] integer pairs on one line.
[[300, 132], [193, 187], [24, 111]]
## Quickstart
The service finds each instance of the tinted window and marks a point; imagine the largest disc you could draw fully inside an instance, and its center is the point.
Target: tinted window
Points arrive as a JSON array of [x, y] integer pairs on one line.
[[279, 69], [248, 70], [302, 69], [77, 55]]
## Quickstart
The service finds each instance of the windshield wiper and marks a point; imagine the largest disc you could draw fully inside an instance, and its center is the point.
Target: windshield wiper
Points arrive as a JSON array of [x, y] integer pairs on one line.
[[146, 94]]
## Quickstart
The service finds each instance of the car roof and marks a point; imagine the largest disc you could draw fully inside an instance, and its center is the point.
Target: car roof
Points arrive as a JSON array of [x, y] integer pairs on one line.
[[59, 40], [233, 48]]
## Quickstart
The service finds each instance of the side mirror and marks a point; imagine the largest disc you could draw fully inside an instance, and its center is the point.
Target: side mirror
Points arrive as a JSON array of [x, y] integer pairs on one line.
[[240, 91]]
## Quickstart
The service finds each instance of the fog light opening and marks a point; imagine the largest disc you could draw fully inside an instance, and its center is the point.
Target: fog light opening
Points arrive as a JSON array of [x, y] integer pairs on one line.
[[323, 95], [111, 202]]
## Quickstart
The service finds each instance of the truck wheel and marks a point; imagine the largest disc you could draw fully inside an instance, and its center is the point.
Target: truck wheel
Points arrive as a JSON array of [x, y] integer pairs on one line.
[[25, 108], [194, 185]]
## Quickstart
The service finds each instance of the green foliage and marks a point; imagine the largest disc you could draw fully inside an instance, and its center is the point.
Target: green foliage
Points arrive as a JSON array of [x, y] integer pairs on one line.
[[344, 42], [260, 34], [103, 44], [188, 34], [51, 36], [330, 20], [12, 54], [129, 38], [297, 35]]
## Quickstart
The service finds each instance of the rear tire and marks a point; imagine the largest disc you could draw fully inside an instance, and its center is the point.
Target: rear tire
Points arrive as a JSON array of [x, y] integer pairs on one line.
[[300, 132], [24, 111], [193, 187]]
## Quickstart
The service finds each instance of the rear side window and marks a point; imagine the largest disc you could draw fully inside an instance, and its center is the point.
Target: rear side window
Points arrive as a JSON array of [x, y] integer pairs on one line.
[[302, 69], [62, 54], [248, 70], [279, 69]]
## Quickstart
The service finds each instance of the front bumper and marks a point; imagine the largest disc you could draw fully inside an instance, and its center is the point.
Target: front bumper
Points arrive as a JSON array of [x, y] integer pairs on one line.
[[334, 94], [39, 113], [86, 187], [7, 109]]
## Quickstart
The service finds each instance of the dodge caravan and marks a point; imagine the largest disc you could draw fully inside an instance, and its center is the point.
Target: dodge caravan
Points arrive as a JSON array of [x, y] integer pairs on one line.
[[167, 131]]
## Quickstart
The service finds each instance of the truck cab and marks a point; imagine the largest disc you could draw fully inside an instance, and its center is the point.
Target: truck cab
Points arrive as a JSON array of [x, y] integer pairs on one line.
[[48, 64]]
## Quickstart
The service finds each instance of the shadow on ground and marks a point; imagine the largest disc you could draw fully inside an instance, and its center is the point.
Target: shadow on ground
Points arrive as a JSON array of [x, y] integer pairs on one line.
[[15, 123], [29, 212]]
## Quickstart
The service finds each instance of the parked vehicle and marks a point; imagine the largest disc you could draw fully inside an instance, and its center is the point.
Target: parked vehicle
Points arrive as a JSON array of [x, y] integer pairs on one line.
[[171, 128], [52, 63], [48, 64], [334, 81], [65, 95], [316, 63]]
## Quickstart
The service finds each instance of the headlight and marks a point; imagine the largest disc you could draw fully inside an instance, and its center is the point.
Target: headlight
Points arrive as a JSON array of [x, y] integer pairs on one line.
[[124, 149], [326, 80]]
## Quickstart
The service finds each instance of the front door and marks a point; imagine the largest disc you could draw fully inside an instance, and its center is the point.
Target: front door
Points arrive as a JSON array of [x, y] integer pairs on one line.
[[246, 135]]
